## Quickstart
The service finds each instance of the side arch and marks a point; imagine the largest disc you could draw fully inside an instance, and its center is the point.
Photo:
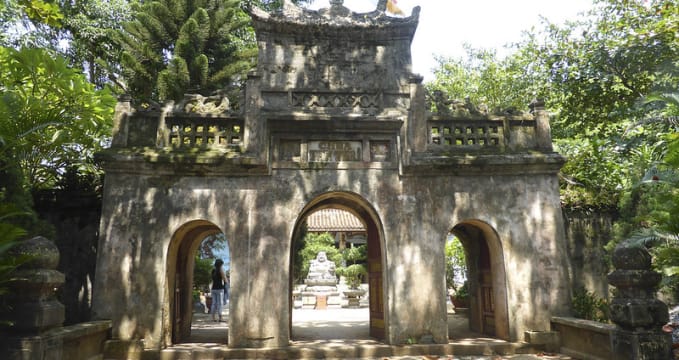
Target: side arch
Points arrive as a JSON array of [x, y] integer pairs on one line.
[[489, 313], [180, 264]]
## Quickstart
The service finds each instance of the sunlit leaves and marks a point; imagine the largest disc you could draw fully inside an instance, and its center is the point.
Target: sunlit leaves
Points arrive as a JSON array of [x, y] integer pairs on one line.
[[484, 78], [175, 47], [43, 12], [50, 115]]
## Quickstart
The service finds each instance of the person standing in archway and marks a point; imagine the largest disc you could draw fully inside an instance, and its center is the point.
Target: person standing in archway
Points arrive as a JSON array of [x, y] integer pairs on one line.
[[217, 289]]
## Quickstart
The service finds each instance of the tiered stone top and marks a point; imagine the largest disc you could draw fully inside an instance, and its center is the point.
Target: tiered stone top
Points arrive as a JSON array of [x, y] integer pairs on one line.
[[295, 19]]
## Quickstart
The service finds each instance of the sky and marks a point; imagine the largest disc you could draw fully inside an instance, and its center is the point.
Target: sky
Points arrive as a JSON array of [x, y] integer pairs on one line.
[[446, 25]]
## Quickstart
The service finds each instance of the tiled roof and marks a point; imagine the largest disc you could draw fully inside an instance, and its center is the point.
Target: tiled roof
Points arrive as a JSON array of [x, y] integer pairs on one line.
[[333, 220]]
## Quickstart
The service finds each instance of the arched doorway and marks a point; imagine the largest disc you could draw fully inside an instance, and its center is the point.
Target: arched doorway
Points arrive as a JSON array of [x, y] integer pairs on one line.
[[180, 266], [360, 208], [488, 313]]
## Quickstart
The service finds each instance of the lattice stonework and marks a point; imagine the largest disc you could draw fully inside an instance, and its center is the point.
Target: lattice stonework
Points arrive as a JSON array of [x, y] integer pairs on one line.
[[456, 133], [197, 132]]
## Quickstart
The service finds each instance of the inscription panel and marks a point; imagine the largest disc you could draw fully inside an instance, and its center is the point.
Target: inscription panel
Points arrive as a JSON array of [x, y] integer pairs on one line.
[[335, 151]]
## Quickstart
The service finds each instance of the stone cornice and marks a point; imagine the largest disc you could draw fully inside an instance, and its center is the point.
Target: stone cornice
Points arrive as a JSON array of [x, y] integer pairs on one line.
[[152, 161], [484, 164]]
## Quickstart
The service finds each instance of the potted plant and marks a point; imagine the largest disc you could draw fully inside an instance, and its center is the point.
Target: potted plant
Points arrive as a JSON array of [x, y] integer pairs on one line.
[[353, 275]]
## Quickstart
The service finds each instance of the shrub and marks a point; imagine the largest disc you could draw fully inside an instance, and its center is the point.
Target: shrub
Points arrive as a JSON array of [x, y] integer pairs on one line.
[[588, 306]]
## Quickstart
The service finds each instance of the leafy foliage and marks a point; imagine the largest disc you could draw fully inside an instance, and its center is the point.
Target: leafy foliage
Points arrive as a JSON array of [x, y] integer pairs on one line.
[[43, 12], [201, 273], [586, 305], [211, 244], [462, 293], [10, 234], [353, 274], [175, 47], [50, 116], [456, 262], [483, 78]]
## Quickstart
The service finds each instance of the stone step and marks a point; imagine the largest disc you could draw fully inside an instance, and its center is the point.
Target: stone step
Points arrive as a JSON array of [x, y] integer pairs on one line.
[[349, 351]]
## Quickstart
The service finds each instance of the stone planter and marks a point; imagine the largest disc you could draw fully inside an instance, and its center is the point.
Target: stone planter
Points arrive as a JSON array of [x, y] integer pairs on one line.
[[353, 296]]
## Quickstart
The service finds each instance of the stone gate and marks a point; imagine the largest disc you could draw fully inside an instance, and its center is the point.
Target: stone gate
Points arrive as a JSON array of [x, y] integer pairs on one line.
[[332, 117]]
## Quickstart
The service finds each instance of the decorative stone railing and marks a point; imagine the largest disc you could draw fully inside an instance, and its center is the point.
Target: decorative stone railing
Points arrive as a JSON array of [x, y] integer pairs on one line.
[[195, 122], [511, 133], [468, 134], [203, 132], [460, 126]]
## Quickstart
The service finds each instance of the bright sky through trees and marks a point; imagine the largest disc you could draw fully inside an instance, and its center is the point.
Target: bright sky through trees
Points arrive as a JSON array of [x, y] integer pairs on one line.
[[446, 25]]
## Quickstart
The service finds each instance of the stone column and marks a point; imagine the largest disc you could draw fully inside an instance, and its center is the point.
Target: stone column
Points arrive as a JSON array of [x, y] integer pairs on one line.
[[417, 131], [255, 131], [543, 132], [33, 307], [120, 121], [636, 311]]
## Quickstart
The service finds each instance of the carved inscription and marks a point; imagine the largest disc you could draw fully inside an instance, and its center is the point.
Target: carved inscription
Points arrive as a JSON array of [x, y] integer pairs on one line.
[[335, 151]]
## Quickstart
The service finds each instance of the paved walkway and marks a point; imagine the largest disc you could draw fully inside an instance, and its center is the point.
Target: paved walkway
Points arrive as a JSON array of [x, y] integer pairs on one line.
[[335, 328]]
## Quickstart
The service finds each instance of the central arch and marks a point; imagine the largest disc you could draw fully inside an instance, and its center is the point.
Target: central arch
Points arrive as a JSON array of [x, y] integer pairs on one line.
[[362, 209]]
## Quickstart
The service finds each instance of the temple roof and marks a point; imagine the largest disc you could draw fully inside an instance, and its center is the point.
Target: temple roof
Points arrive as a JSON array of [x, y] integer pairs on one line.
[[332, 220]]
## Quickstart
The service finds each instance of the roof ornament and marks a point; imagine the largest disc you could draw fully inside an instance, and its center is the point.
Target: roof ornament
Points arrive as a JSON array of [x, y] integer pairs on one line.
[[337, 8]]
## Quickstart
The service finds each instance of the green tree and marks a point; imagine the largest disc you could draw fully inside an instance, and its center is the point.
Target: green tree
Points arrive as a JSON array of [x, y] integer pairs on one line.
[[650, 217], [202, 273], [88, 27], [456, 262], [174, 47], [483, 78]]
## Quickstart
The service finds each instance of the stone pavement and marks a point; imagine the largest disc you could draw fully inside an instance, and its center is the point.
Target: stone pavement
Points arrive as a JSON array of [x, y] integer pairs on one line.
[[342, 334]]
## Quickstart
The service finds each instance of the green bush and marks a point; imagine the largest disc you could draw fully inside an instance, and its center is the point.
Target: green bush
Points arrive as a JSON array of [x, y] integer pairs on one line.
[[463, 292], [202, 273], [588, 306], [354, 274]]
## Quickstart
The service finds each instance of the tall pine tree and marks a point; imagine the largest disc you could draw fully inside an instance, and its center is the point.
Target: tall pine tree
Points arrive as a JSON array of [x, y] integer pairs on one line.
[[177, 46]]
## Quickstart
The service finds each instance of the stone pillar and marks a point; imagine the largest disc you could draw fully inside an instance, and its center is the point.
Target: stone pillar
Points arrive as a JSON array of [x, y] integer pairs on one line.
[[120, 121], [636, 311], [543, 132], [254, 133], [417, 131], [33, 307]]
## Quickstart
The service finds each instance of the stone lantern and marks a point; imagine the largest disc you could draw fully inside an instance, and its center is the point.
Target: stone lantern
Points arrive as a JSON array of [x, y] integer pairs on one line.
[[636, 311], [34, 307]]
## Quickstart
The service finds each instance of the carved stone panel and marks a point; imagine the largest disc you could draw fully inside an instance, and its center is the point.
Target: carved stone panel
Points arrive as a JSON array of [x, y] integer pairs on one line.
[[335, 151]]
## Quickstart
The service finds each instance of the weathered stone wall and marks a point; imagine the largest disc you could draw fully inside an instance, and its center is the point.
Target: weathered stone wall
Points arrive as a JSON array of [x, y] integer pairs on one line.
[[257, 215], [587, 233], [75, 216]]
